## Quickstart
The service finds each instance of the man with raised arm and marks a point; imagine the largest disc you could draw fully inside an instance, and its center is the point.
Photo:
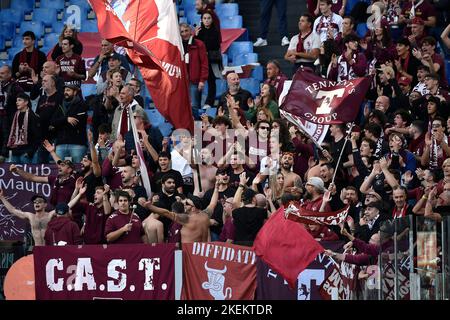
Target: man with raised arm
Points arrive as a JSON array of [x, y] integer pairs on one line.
[[38, 220], [195, 222]]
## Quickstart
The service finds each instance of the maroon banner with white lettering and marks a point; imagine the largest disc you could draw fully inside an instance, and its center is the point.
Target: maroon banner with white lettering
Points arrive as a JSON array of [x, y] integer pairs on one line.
[[322, 101], [19, 192], [218, 271], [119, 272]]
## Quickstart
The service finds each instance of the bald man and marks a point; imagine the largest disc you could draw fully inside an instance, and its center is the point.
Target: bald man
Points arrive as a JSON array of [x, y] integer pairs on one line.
[[382, 104], [49, 68]]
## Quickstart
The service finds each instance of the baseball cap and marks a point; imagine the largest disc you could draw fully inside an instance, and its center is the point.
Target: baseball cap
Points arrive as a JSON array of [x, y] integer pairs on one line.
[[61, 208], [404, 80], [38, 196], [316, 182], [72, 86], [114, 55], [67, 162], [377, 204]]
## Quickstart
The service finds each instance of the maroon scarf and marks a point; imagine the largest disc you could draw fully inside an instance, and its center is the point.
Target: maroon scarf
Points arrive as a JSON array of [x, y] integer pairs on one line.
[[34, 59], [300, 46], [19, 133]]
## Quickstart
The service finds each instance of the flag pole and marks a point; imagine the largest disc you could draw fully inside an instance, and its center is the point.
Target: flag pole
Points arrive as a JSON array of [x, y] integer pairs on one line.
[[347, 137]]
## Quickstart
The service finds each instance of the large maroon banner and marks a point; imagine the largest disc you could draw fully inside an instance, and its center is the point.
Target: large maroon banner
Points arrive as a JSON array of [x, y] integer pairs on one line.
[[19, 192], [119, 272], [322, 101]]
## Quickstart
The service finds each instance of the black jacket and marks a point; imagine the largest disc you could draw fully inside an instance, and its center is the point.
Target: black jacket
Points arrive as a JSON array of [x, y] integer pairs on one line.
[[64, 132]]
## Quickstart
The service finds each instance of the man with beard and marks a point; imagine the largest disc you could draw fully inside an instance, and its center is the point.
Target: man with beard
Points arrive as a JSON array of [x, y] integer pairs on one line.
[[95, 214], [165, 166], [124, 226], [195, 221], [62, 185], [235, 91], [438, 204], [225, 192], [129, 181], [326, 174], [313, 198], [50, 68], [69, 125], [350, 196], [204, 173], [291, 179], [167, 197], [38, 220]]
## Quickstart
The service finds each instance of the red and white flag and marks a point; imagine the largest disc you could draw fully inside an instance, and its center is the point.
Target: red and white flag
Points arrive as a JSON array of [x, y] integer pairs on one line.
[[149, 30], [323, 101], [296, 213]]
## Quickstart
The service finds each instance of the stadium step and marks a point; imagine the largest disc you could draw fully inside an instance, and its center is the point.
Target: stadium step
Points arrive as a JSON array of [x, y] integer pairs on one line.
[[250, 11]]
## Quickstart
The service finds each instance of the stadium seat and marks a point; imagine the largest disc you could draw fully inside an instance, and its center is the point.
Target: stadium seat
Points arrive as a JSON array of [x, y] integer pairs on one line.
[[13, 51], [53, 4], [88, 89], [361, 29], [251, 85], [212, 112], [26, 5], [165, 128], [182, 20], [12, 15], [187, 5], [50, 39], [227, 9], [239, 47], [258, 73], [89, 26], [17, 42], [7, 30], [221, 87], [5, 63], [193, 17], [36, 26], [154, 116], [246, 58], [46, 49], [2, 43], [57, 26], [45, 15], [75, 15], [81, 3], [224, 59], [231, 22]]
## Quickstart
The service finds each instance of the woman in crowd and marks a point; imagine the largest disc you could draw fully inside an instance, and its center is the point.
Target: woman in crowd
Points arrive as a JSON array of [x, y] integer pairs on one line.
[[68, 31]]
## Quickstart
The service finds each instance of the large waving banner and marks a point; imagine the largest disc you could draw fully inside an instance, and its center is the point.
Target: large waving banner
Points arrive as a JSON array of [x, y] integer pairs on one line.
[[218, 271], [19, 192], [125, 272], [322, 101], [149, 30]]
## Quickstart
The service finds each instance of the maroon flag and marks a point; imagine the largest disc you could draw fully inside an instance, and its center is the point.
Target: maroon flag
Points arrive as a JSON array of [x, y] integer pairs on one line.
[[150, 31], [286, 246], [131, 272], [322, 101], [296, 213]]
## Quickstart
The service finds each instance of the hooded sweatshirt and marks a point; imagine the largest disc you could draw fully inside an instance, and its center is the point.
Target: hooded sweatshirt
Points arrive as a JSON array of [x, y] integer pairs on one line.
[[62, 229]]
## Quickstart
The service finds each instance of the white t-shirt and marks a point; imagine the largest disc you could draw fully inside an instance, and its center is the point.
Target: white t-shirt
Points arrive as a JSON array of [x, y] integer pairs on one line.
[[321, 26], [310, 43]]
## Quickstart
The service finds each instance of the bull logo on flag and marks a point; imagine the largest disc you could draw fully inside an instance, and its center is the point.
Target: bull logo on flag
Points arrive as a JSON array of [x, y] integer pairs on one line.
[[216, 282]]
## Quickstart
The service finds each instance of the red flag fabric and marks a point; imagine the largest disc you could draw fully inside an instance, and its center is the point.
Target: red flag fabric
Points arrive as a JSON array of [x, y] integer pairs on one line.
[[322, 101], [295, 212], [150, 32], [218, 271], [286, 246]]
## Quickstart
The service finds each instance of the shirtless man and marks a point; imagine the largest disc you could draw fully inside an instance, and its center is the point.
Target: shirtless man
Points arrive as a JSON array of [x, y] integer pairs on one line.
[[195, 223], [207, 173], [38, 220], [291, 179]]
